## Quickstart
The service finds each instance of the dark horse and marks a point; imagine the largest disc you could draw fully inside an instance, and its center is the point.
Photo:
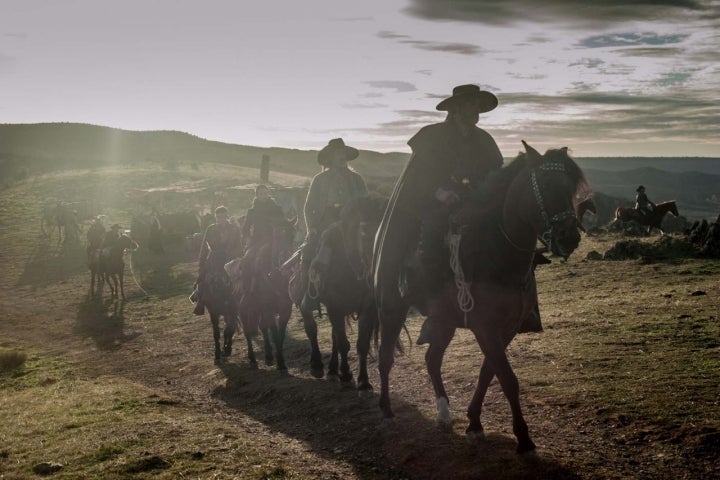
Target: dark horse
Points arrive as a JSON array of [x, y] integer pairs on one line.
[[531, 198], [587, 205], [108, 264], [343, 285], [216, 294], [651, 220], [267, 305]]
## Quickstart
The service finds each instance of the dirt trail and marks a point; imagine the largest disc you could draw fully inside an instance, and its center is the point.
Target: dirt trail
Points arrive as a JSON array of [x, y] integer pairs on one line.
[[315, 426]]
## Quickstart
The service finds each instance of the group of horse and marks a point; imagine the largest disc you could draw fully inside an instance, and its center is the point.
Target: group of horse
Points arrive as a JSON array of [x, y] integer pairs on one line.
[[535, 197]]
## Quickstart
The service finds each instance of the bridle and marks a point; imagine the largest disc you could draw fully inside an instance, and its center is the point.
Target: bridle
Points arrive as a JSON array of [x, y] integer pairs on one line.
[[547, 235]]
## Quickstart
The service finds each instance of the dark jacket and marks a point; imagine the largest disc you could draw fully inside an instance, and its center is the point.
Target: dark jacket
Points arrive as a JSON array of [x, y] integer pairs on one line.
[[329, 191], [260, 220], [442, 157], [221, 244], [643, 203]]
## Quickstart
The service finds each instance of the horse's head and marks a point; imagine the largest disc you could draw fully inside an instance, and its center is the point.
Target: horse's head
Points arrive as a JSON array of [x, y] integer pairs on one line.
[[673, 208], [282, 240], [543, 195], [126, 242]]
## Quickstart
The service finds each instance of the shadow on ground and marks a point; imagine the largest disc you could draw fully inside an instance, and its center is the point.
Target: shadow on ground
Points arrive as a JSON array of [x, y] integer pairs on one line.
[[335, 423], [51, 263], [104, 322]]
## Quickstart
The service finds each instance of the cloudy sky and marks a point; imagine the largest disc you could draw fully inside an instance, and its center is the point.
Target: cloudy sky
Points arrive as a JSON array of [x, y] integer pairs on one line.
[[604, 77]]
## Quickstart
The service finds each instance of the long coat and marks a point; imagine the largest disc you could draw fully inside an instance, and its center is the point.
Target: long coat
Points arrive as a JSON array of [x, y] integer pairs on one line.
[[442, 157]]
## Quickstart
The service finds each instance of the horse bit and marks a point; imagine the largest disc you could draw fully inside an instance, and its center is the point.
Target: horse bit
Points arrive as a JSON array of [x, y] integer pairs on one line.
[[546, 236]]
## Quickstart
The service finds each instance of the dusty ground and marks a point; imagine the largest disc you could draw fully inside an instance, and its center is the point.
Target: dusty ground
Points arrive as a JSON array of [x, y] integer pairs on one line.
[[622, 383]]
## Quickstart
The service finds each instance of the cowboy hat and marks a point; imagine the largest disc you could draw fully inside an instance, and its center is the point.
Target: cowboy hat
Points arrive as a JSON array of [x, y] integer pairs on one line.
[[641, 187], [326, 154], [488, 101]]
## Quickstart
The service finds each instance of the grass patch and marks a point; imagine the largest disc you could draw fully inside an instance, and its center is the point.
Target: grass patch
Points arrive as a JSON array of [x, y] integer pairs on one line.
[[11, 360]]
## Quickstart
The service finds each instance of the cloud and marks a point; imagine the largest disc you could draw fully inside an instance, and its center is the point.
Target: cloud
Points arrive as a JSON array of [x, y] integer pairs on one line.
[[398, 86], [426, 71], [503, 12], [460, 48], [649, 52], [587, 63], [631, 40], [433, 46], [390, 35], [364, 105], [616, 116]]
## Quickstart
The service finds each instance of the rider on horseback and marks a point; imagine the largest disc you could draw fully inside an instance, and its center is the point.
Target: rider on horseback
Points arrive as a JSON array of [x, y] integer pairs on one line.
[[643, 205], [330, 189], [449, 159], [261, 218], [220, 245], [95, 234]]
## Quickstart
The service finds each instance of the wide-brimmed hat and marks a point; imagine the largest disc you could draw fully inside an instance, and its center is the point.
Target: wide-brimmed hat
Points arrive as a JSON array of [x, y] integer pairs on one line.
[[488, 101], [641, 187], [326, 154]]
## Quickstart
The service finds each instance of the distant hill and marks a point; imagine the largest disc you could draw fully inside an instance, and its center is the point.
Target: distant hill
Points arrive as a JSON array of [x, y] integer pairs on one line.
[[53, 146], [27, 149]]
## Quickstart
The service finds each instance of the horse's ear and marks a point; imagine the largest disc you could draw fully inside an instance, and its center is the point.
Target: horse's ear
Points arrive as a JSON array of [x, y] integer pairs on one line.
[[564, 150], [534, 157]]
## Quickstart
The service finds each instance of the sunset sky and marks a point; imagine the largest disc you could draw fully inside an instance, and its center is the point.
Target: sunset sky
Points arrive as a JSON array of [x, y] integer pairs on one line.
[[604, 77]]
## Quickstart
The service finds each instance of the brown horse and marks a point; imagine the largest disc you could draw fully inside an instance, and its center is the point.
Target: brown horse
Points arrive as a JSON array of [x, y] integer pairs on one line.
[[266, 305], [587, 205], [531, 198], [651, 220], [108, 264], [343, 285]]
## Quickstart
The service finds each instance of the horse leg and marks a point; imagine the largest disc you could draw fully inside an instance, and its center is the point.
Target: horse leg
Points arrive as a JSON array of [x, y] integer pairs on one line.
[[340, 340], [391, 323], [367, 322], [121, 276], [251, 351], [332, 373], [109, 284], [316, 364], [494, 350], [230, 322], [441, 336], [267, 344], [279, 334], [215, 320], [474, 431]]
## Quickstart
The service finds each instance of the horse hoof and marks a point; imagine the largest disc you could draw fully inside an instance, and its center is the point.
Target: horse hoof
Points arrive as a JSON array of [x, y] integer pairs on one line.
[[227, 352], [475, 436], [317, 372], [347, 384], [269, 361], [526, 447], [332, 377], [365, 392]]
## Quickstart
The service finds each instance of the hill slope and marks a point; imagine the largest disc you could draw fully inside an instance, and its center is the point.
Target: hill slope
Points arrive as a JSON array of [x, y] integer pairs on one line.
[[36, 148]]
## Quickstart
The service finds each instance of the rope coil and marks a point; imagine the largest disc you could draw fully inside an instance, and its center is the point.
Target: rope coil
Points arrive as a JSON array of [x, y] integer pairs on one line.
[[465, 300]]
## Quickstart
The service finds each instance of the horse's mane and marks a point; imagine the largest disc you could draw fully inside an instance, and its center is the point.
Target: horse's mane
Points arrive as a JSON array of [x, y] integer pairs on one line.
[[488, 198]]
